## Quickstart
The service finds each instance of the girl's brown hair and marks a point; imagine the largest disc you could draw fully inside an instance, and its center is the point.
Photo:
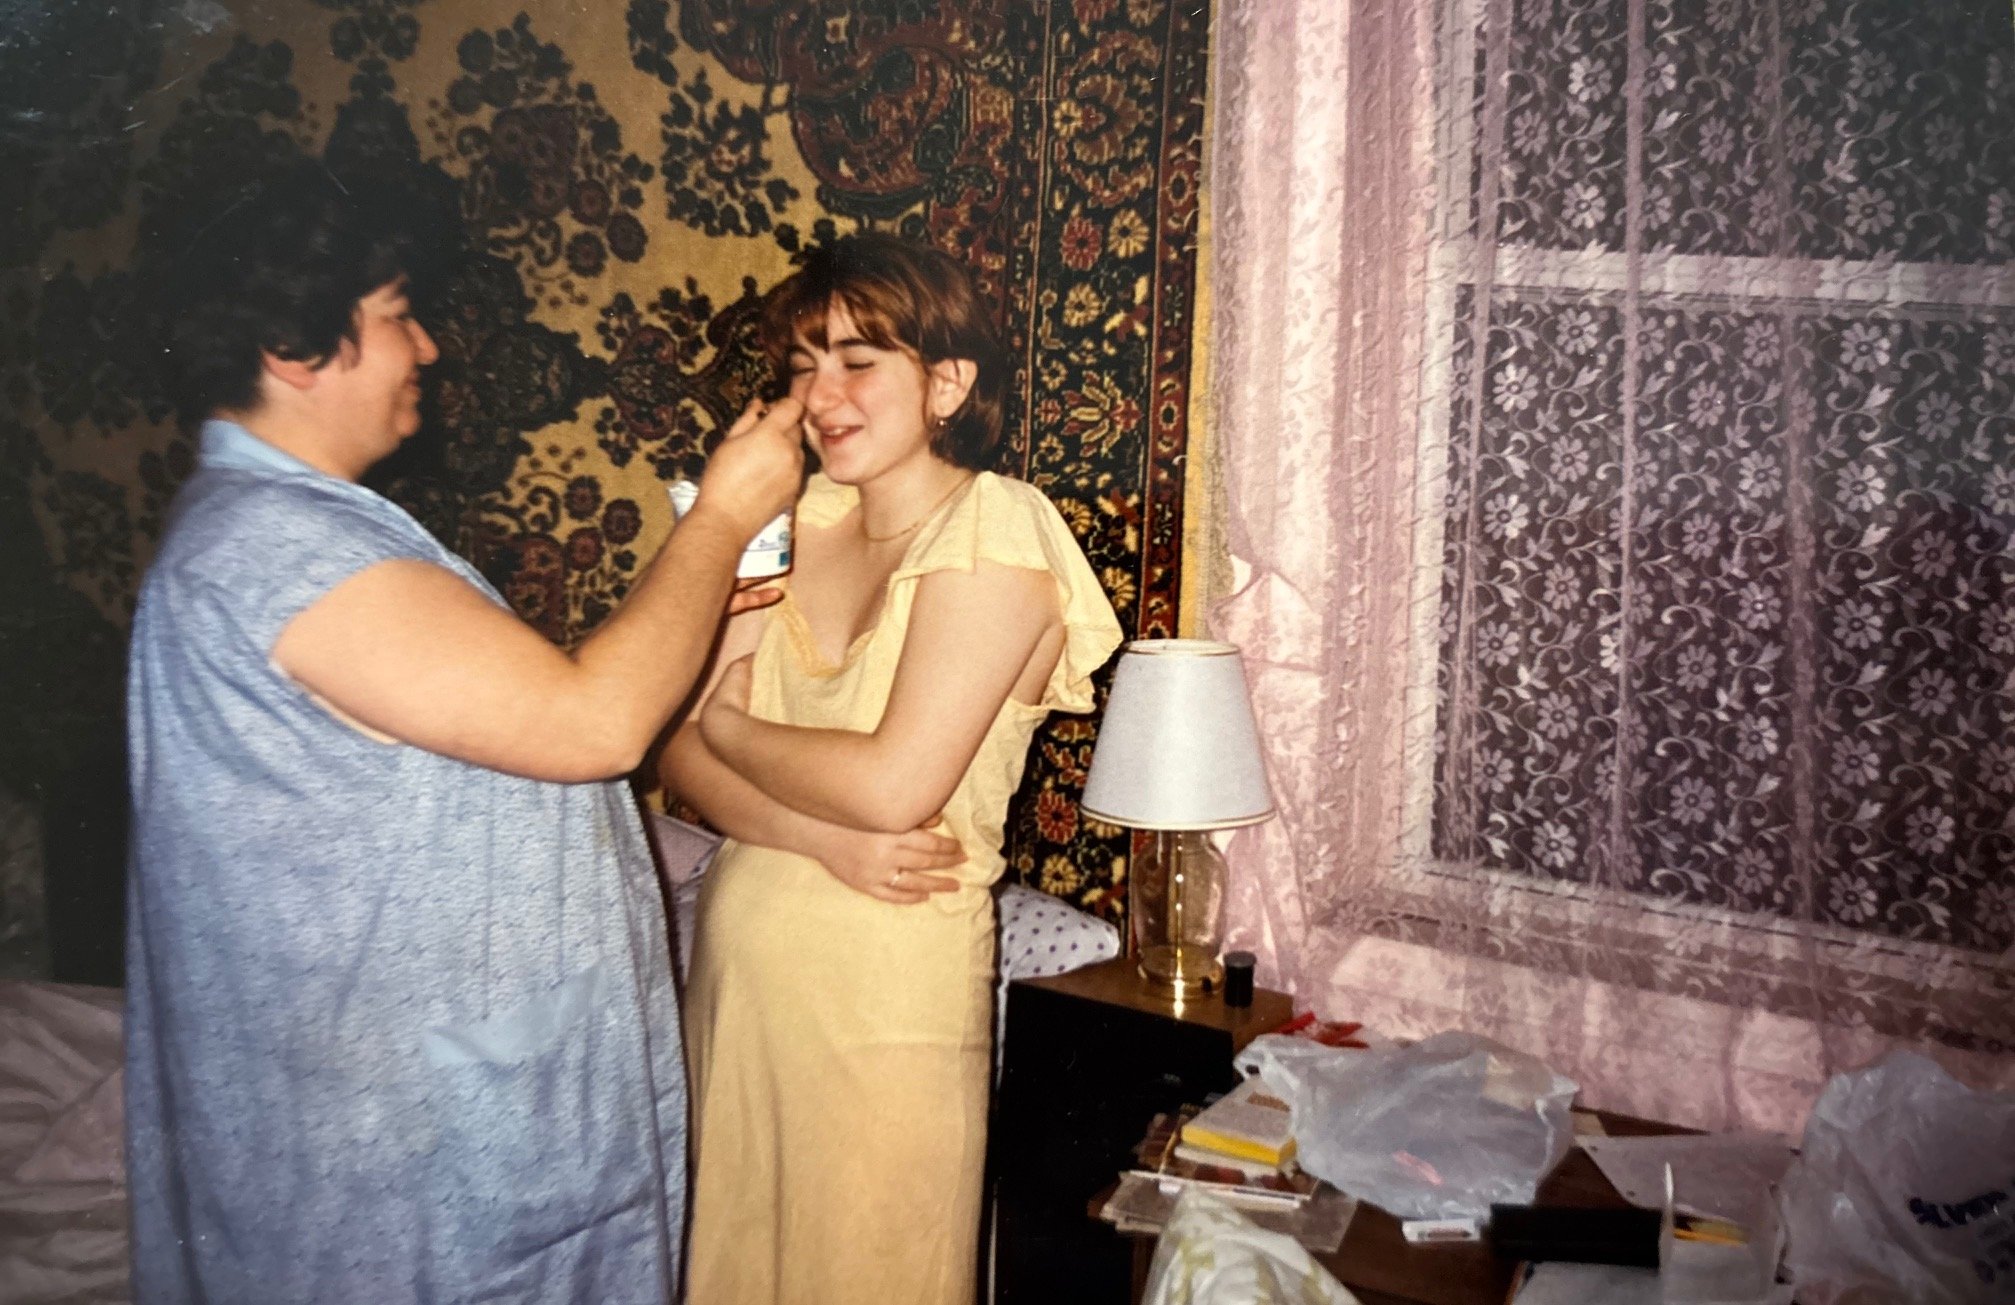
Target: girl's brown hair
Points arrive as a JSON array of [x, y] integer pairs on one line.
[[901, 296]]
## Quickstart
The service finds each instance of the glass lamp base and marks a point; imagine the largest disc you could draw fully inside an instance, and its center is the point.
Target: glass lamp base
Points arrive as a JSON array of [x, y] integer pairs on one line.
[[1181, 968], [1175, 896]]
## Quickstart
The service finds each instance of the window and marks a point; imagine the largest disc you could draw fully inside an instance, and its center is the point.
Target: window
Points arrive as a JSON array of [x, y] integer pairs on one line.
[[1718, 537]]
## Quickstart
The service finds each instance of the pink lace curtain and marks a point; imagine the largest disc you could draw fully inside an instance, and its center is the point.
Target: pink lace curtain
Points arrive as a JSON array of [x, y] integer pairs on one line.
[[1617, 406]]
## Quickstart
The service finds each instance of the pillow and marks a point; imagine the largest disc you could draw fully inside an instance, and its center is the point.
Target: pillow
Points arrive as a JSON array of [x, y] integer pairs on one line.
[[683, 851], [1041, 935], [685, 916]]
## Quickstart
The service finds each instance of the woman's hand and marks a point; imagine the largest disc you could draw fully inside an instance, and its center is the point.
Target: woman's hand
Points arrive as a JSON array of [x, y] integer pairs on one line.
[[894, 868]]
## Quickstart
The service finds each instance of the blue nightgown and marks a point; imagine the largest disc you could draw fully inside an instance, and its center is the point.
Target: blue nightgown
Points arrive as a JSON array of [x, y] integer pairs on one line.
[[398, 1027]]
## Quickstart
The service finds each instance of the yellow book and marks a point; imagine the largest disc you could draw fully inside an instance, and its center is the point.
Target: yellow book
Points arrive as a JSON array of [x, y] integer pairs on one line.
[[1247, 1122]]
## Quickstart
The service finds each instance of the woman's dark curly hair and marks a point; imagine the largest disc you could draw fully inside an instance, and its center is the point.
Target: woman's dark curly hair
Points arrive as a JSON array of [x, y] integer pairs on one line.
[[901, 296], [278, 269]]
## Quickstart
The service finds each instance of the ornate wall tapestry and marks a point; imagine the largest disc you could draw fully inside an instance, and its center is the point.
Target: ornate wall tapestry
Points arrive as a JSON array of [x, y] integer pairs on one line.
[[622, 185]]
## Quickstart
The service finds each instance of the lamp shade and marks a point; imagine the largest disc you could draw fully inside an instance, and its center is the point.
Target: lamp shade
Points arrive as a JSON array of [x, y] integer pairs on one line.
[[1178, 748]]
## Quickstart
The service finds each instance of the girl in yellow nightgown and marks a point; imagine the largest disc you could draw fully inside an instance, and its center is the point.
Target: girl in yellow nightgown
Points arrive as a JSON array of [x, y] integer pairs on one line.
[[838, 1012]]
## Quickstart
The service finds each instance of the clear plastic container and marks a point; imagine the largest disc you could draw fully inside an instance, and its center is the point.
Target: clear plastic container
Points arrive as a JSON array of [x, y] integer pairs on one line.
[[1735, 1271], [768, 554]]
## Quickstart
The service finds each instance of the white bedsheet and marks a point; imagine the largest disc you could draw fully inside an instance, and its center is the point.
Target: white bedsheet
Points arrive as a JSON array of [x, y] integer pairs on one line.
[[62, 1172]]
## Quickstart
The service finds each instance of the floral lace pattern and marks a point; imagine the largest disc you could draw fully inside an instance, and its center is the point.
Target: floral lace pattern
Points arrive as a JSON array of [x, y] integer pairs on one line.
[[1674, 746], [1902, 620], [1817, 128]]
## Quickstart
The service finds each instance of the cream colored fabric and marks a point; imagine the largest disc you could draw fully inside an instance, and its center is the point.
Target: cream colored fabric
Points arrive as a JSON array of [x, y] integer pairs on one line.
[[838, 1044], [1210, 1254]]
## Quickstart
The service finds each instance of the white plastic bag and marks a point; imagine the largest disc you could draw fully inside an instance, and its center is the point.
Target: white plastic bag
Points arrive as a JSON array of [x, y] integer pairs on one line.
[[1904, 1190], [1441, 1129], [1211, 1254]]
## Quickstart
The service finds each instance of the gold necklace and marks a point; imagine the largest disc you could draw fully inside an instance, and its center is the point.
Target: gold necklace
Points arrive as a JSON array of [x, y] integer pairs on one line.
[[884, 539]]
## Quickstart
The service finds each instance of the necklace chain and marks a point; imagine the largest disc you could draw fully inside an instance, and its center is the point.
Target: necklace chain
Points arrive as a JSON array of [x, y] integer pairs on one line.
[[928, 514]]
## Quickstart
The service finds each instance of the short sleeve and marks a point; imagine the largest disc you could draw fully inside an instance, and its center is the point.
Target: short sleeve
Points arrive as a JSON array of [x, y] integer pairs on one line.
[[1010, 522], [268, 547]]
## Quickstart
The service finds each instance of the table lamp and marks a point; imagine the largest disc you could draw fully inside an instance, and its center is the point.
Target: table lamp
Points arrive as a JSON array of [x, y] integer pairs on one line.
[[1178, 754]]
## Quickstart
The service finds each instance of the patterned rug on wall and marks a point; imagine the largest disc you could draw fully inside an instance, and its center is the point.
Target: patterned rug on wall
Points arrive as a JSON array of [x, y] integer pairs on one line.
[[621, 185]]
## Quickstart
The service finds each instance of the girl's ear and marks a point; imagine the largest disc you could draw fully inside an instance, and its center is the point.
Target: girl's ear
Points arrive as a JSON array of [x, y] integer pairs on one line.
[[950, 381]]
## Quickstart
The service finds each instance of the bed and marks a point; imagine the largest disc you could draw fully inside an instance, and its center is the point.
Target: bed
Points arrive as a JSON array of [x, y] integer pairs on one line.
[[62, 1176]]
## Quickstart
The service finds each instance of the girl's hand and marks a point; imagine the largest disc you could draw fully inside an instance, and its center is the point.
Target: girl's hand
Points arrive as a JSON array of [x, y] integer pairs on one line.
[[728, 703], [733, 689], [752, 594], [895, 868]]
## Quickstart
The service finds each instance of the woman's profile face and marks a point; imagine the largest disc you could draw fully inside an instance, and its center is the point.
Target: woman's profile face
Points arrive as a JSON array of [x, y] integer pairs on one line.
[[866, 407]]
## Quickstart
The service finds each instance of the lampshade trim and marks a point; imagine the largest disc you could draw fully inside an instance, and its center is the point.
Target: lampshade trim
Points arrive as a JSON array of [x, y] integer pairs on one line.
[[1180, 827], [1195, 648]]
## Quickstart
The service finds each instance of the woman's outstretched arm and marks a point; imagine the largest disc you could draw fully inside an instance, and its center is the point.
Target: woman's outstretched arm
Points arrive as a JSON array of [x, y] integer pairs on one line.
[[974, 639]]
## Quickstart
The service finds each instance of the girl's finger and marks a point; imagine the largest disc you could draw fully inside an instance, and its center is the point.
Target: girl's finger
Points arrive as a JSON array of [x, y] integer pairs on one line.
[[748, 600]]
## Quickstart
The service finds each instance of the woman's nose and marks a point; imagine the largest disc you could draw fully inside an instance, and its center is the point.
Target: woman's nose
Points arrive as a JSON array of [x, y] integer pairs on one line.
[[424, 346]]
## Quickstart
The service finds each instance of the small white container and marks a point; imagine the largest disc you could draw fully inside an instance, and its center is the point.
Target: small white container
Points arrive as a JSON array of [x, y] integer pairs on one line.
[[768, 554]]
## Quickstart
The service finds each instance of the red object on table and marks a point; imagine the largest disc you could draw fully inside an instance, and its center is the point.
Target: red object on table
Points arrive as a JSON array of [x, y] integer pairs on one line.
[[1338, 1033]]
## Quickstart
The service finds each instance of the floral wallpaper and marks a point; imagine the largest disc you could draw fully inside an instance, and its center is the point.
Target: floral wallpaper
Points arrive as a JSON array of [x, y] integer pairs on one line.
[[623, 183]]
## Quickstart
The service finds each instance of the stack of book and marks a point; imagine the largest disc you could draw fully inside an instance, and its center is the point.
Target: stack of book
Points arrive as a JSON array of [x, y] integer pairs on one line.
[[1238, 1148], [1247, 1128], [1169, 1157]]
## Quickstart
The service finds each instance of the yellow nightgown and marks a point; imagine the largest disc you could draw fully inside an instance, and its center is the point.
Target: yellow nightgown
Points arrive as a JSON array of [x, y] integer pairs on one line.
[[838, 1045]]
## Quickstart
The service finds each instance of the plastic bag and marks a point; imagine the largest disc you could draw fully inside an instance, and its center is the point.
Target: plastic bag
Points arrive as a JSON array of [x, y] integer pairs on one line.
[[1211, 1254], [1904, 1190], [1437, 1130]]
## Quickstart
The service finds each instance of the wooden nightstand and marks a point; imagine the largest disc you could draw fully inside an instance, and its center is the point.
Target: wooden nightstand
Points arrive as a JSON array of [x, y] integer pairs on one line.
[[1088, 1059]]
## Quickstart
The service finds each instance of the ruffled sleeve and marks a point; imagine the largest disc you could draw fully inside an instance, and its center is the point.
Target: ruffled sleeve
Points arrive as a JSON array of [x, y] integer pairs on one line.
[[1010, 522]]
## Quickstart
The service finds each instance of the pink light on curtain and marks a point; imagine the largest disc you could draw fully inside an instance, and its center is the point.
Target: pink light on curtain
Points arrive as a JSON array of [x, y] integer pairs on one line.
[[1320, 253], [1624, 528]]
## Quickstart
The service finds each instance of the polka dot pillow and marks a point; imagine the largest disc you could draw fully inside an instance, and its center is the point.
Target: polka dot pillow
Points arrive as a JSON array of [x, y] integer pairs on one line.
[[1041, 935]]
